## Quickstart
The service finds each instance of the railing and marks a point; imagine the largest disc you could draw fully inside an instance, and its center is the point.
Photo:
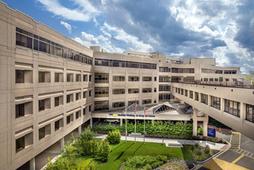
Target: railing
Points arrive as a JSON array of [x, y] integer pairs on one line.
[[217, 85]]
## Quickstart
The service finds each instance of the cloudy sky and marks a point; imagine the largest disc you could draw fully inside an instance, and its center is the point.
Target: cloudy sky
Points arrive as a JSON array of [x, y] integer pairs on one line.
[[223, 29]]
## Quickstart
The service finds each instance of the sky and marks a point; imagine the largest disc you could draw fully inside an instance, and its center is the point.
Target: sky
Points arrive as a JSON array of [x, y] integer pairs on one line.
[[222, 29]]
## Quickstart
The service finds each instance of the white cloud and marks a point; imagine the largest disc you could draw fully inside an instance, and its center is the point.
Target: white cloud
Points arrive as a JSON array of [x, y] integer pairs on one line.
[[103, 41], [215, 23], [132, 41], [85, 11], [66, 26]]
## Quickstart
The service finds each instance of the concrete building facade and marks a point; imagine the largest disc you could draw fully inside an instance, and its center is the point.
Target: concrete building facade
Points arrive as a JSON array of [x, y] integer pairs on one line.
[[51, 87]]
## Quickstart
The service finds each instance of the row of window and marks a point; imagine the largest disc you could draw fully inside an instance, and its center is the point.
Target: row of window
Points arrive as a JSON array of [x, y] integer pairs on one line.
[[176, 70], [26, 76], [205, 70], [104, 91], [35, 42], [104, 78], [120, 63], [230, 106], [26, 108]]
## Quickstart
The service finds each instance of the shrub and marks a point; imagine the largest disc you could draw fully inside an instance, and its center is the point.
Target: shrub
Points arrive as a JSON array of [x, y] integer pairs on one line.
[[207, 150], [158, 129], [91, 166], [61, 164], [114, 137], [145, 162], [70, 151], [102, 151]]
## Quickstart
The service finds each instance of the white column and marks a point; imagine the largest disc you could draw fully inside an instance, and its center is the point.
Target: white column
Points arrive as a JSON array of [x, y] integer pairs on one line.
[[62, 143], [121, 122], [195, 123], [32, 164], [79, 130], [91, 122], [205, 126]]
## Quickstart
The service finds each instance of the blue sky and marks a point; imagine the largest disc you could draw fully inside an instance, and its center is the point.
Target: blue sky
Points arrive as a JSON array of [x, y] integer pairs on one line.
[[223, 29]]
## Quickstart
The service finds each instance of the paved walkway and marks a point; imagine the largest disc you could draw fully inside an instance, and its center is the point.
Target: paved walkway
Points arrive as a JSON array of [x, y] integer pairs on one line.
[[170, 142], [239, 157]]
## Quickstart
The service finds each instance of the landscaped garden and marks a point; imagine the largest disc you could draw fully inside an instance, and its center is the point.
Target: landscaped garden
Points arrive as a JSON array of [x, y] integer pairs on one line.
[[87, 152]]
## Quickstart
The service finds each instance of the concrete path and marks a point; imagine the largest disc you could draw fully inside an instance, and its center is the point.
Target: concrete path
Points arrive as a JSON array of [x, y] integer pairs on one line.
[[170, 142]]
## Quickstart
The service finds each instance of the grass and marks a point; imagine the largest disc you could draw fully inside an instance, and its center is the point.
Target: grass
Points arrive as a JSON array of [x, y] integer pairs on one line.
[[124, 150]]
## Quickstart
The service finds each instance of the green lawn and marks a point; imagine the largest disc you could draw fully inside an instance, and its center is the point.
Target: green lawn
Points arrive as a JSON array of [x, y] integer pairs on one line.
[[122, 151]]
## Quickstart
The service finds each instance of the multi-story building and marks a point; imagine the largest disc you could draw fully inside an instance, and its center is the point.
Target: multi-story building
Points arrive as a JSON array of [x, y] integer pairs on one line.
[[46, 90], [51, 87]]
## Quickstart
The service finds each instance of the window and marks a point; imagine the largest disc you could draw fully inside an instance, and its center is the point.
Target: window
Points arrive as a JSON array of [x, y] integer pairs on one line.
[[69, 98], [23, 76], [78, 96], [101, 78], [101, 105], [23, 40], [232, 107], [23, 142], [44, 104], [155, 78], [69, 119], [70, 77], [147, 78], [90, 78], [164, 69], [204, 98], [250, 113], [118, 91], [191, 94], [23, 109], [78, 114], [20, 144], [155, 90], [186, 93], [164, 97], [84, 94], [35, 42], [132, 102], [118, 104], [164, 79], [133, 78], [196, 96], [58, 124], [181, 91], [90, 93], [164, 87], [44, 131], [118, 78], [20, 110], [215, 102], [58, 101], [135, 90], [101, 91], [90, 108], [44, 77], [85, 77], [84, 111], [147, 90], [147, 101], [78, 77], [58, 77], [119, 63]]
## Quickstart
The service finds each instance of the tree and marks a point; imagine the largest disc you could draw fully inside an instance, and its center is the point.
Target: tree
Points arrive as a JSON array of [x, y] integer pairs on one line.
[[103, 151], [114, 137]]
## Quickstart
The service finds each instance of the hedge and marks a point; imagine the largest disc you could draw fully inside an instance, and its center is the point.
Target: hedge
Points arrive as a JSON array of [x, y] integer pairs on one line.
[[158, 129]]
